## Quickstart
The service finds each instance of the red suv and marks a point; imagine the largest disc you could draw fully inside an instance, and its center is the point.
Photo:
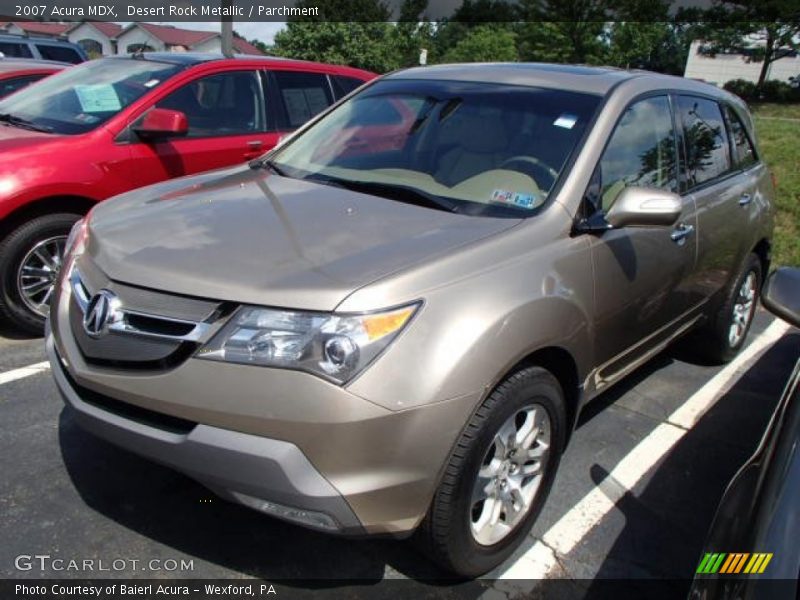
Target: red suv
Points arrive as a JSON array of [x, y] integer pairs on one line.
[[110, 125]]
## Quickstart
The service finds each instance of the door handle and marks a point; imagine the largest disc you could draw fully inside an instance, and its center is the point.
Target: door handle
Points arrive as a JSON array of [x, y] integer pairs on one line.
[[745, 199], [254, 149], [681, 232]]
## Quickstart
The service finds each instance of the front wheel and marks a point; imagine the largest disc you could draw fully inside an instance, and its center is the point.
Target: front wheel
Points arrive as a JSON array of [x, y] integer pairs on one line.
[[498, 476], [30, 261]]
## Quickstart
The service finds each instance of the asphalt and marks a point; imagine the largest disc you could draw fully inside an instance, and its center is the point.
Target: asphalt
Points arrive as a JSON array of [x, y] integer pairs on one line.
[[67, 494]]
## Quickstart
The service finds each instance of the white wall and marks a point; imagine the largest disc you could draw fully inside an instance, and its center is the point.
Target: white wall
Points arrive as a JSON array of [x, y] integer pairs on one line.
[[88, 32], [725, 67], [137, 35], [211, 45]]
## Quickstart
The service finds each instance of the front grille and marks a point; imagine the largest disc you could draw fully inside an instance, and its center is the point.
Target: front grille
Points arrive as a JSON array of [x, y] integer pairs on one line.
[[132, 412]]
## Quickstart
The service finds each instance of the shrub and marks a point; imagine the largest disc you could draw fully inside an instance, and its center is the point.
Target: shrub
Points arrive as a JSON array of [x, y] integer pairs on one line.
[[746, 90], [770, 91]]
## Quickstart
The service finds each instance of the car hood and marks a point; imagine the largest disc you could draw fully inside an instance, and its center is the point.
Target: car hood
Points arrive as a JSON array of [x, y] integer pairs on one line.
[[12, 137], [248, 236]]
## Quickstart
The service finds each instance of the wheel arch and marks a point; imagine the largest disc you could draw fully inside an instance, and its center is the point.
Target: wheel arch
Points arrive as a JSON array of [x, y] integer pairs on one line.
[[763, 249], [48, 205]]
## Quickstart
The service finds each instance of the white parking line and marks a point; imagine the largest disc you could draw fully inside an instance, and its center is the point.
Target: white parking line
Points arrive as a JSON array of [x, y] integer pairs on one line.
[[23, 372], [541, 559]]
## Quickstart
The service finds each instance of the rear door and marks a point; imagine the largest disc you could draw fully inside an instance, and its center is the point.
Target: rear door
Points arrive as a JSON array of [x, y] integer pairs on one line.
[[722, 193], [228, 124], [297, 96], [641, 273]]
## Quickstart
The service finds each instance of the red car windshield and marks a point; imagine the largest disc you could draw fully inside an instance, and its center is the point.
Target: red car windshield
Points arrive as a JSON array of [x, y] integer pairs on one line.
[[83, 97]]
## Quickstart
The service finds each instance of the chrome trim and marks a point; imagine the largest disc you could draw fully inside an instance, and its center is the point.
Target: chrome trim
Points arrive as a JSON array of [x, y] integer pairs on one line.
[[122, 325]]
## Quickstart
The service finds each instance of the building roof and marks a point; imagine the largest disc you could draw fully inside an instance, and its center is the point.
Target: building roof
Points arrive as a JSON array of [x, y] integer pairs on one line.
[[107, 28], [173, 36], [244, 47], [52, 29]]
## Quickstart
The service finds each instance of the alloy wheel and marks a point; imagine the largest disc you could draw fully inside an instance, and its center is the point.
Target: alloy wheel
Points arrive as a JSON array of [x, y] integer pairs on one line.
[[38, 272]]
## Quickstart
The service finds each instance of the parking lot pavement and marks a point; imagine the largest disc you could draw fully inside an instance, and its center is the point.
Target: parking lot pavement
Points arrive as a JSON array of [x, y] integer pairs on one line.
[[634, 496]]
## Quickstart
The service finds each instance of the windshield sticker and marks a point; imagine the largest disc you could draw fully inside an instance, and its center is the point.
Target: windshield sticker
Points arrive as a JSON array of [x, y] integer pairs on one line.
[[151, 83], [99, 97], [515, 198], [567, 121]]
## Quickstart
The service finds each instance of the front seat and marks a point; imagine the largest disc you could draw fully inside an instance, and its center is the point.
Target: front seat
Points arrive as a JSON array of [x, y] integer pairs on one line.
[[481, 144]]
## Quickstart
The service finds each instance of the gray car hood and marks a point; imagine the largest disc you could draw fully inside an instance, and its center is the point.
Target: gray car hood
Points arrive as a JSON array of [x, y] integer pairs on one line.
[[248, 236]]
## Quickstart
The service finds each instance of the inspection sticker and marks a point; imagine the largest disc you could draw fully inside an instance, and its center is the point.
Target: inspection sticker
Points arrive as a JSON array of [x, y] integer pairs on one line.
[[516, 198], [101, 97], [567, 121]]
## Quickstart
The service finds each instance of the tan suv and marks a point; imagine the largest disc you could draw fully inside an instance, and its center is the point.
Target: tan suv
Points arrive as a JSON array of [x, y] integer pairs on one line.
[[390, 323]]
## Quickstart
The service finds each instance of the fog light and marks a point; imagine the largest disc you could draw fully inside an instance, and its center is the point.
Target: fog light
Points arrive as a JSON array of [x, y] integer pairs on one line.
[[309, 518]]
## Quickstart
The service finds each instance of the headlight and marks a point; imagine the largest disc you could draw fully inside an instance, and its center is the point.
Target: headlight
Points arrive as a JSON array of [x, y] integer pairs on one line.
[[76, 244], [335, 346]]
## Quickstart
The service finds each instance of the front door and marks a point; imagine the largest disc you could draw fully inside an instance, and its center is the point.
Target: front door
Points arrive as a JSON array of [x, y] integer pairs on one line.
[[641, 273], [228, 125]]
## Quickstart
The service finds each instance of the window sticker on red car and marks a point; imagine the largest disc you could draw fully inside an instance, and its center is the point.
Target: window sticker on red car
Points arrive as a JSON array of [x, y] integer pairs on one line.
[[520, 199], [100, 97]]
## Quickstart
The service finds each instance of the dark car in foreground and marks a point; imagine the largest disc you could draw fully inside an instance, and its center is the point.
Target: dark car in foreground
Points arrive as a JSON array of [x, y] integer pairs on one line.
[[390, 324], [16, 74], [110, 125], [753, 540]]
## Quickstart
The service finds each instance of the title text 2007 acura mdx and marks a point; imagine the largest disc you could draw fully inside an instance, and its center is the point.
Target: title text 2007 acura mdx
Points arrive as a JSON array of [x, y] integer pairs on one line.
[[390, 323]]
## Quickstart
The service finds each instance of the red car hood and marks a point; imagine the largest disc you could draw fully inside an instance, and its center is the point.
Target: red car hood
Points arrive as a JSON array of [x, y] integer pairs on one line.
[[18, 137]]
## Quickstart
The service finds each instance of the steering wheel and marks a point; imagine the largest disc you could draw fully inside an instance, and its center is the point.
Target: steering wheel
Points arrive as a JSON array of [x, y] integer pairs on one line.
[[539, 167]]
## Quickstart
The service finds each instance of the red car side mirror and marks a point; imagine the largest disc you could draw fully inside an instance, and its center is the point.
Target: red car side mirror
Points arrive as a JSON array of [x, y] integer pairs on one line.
[[161, 123]]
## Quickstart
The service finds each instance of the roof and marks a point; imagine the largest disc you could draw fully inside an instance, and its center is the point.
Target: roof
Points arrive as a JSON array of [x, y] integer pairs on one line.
[[29, 64], [107, 28], [173, 36], [54, 29], [593, 80], [243, 46]]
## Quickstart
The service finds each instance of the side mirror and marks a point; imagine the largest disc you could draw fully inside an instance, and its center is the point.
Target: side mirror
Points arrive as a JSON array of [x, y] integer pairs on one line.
[[781, 294], [644, 207], [161, 123]]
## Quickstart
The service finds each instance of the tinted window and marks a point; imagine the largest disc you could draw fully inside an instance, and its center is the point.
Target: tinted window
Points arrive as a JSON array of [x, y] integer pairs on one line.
[[61, 53], [707, 150], [12, 50], [303, 95], [640, 152], [745, 153], [11, 85], [344, 85], [222, 104]]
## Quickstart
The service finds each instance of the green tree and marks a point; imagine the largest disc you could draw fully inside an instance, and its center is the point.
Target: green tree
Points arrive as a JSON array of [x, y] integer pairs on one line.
[[657, 46], [484, 43], [497, 14], [563, 31], [763, 31]]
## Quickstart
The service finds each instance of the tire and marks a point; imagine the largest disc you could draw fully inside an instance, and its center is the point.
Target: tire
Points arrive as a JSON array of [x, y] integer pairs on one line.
[[715, 340], [49, 230], [451, 530]]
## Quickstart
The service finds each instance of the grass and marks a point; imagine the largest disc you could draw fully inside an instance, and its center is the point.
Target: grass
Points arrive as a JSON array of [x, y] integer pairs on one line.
[[779, 138]]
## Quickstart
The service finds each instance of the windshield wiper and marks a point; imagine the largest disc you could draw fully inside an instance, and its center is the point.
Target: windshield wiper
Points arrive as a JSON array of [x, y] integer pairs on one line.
[[266, 163], [393, 191], [24, 123]]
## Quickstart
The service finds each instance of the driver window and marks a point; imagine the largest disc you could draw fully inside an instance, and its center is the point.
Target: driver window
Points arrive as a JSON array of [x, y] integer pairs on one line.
[[641, 151], [222, 104]]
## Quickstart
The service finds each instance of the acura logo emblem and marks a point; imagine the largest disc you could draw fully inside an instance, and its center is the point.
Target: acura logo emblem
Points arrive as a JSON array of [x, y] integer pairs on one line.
[[102, 310]]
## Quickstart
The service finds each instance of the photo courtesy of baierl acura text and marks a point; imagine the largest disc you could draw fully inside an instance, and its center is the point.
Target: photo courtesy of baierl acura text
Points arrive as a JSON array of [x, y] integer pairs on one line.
[[480, 300]]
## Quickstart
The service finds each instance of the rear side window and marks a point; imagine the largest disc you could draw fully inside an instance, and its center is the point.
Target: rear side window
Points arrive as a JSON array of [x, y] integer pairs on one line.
[[13, 50], [344, 85], [641, 151], [11, 85], [60, 53], [705, 138], [303, 95], [745, 153]]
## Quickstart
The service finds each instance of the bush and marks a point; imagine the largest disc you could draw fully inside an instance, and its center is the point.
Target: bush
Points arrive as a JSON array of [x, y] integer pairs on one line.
[[770, 91], [746, 90]]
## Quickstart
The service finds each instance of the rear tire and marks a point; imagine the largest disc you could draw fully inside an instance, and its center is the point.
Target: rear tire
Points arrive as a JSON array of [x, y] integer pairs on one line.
[[18, 303], [484, 473], [725, 334]]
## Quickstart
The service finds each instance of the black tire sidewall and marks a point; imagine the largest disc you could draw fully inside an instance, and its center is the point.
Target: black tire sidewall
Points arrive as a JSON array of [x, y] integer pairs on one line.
[[12, 251], [468, 556]]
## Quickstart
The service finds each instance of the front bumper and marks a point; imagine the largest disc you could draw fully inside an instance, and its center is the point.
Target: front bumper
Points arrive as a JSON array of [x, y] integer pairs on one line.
[[257, 435]]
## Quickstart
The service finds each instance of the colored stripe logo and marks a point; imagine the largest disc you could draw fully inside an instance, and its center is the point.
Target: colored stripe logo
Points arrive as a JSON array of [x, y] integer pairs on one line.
[[734, 562]]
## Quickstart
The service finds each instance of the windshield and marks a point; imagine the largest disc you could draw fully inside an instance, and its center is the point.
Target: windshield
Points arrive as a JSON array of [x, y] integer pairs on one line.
[[80, 98], [472, 148]]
